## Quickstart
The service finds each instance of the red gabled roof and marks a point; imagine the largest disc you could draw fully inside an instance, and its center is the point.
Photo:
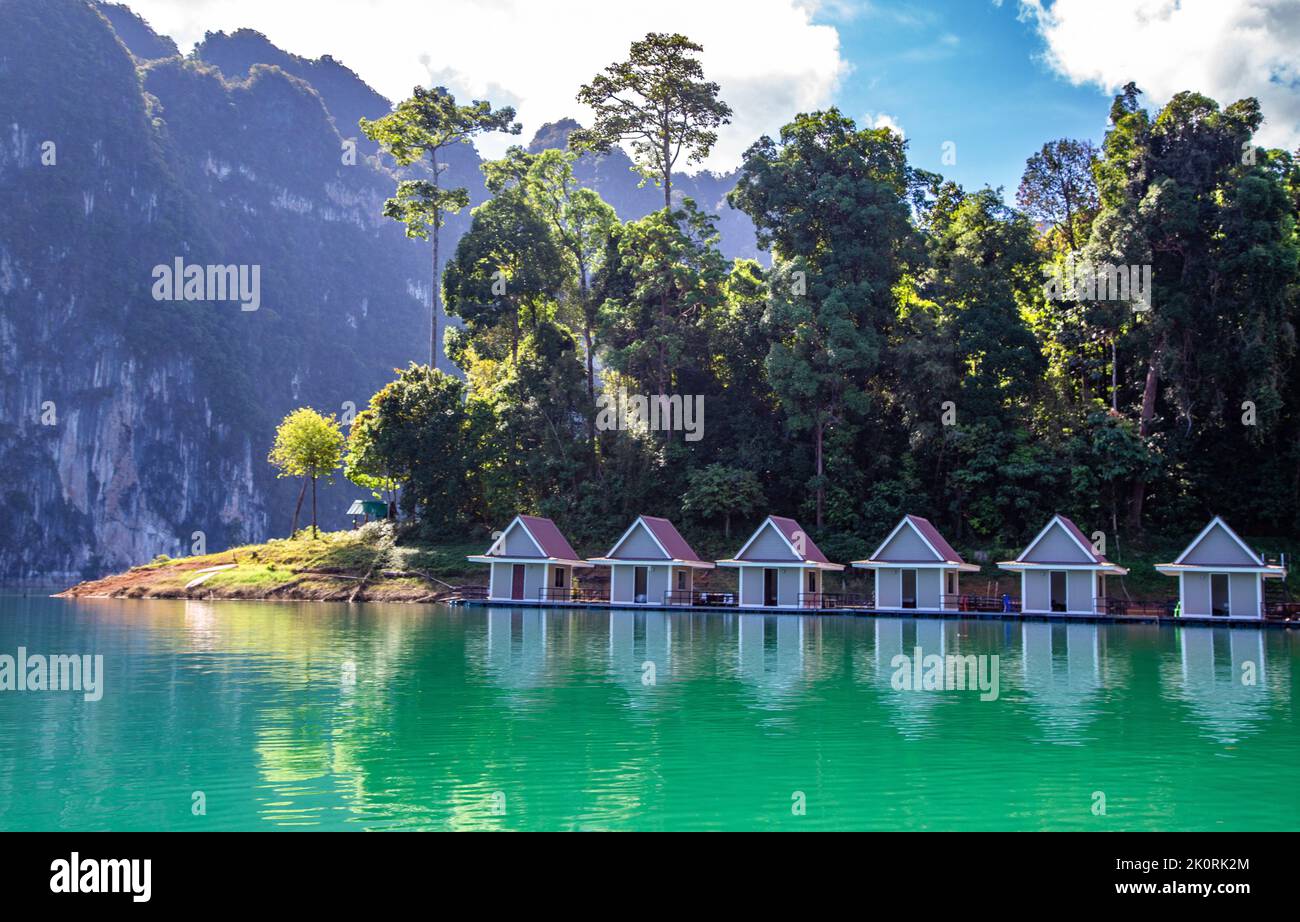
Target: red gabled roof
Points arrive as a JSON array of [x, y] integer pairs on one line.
[[670, 538], [545, 533], [1079, 536], [789, 527], [931, 534]]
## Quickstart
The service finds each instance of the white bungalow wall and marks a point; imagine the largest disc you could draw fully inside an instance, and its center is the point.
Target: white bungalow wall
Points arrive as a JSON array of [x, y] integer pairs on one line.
[[1243, 595], [929, 588], [622, 583], [789, 583], [1036, 591], [502, 580]]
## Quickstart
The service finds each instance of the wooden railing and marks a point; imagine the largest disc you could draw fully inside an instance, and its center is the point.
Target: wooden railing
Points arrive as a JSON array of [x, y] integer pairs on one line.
[[570, 594], [1282, 611], [982, 603], [1144, 608], [835, 600], [700, 598]]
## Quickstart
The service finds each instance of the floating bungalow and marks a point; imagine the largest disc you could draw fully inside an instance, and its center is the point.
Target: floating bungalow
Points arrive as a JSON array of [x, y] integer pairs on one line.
[[1219, 575], [531, 560], [781, 567], [651, 564], [1061, 573], [916, 568]]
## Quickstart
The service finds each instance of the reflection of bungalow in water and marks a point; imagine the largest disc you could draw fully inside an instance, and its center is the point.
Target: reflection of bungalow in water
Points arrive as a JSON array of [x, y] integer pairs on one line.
[[651, 564], [780, 566], [770, 652], [1060, 572], [531, 560], [915, 568], [1223, 678], [1062, 671], [1220, 576]]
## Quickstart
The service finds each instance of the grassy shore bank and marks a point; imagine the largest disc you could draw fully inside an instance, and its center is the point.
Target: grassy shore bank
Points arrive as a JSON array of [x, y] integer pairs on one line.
[[373, 563]]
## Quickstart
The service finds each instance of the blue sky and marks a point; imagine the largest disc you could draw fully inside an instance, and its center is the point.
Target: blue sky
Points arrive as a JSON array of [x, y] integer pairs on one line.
[[999, 78], [967, 72]]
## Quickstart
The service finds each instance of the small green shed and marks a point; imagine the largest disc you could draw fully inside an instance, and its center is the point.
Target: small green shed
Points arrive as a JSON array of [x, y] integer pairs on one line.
[[366, 509]]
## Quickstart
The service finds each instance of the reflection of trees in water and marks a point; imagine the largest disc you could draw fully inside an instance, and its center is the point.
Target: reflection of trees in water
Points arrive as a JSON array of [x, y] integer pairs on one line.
[[1208, 678], [1062, 673]]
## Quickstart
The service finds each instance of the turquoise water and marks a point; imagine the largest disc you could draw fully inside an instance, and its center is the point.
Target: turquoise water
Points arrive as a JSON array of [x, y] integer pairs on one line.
[[316, 716]]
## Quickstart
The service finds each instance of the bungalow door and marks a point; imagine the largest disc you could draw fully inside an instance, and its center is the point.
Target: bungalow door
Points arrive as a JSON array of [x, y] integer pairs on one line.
[[908, 589], [1220, 602], [639, 580], [1058, 584], [517, 581], [769, 586]]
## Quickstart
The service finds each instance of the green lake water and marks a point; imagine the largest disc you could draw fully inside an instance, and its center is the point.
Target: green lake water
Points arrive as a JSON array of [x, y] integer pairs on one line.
[[317, 716]]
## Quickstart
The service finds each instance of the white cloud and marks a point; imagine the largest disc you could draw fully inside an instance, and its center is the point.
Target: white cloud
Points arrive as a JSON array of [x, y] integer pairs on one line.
[[770, 56], [1226, 49], [885, 120]]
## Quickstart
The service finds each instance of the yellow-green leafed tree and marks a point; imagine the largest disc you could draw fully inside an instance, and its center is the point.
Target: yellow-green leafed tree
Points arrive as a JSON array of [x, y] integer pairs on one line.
[[307, 445]]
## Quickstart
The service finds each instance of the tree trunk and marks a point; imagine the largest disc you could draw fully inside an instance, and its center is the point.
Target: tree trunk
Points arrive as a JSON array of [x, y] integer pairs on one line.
[[668, 172], [313, 508], [293, 528], [436, 299], [819, 432], [726, 524], [1114, 373], [1138, 494]]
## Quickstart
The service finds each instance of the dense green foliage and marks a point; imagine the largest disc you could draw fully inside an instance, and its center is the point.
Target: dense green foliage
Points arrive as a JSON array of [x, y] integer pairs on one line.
[[905, 351]]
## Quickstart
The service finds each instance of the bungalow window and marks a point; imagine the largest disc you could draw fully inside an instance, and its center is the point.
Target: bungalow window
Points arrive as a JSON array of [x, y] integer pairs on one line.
[[1219, 598], [952, 583], [559, 578], [909, 588], [812, 580], [681, 579], [1058, 590]]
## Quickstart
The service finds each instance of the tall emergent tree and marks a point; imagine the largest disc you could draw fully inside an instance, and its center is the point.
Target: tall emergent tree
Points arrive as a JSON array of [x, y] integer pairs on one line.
[[580, 220], [659, 100], [309, 445], [1058, 188], [1188, 194], [420, 127], [831, 201]]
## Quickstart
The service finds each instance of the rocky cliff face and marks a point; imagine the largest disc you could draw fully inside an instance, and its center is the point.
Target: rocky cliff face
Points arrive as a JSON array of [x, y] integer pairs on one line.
[[131, 426]]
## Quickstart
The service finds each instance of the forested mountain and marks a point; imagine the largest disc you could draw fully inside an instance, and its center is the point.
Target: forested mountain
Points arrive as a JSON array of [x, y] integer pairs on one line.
[[901, 353], [136, 423]]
